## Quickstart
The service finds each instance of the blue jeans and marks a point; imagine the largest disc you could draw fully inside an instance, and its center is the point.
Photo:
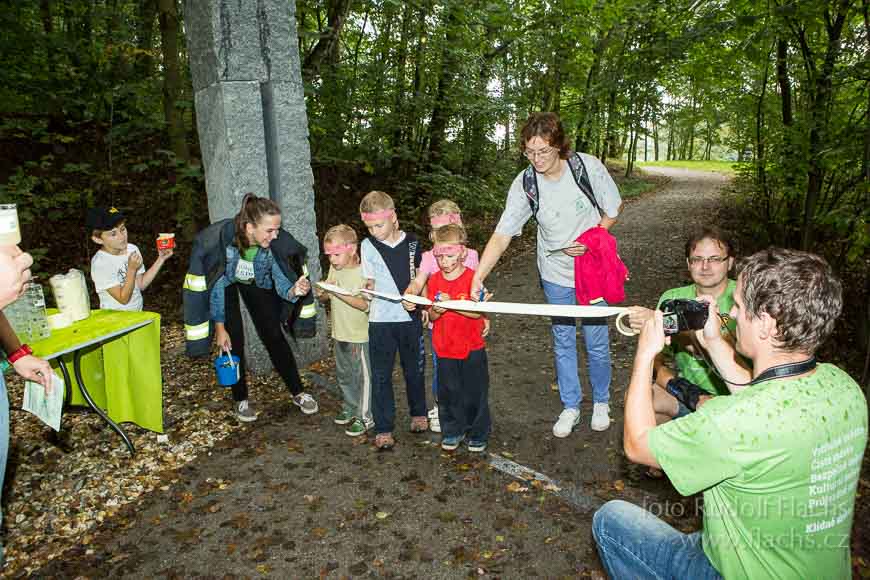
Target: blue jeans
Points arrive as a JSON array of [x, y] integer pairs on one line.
[[4, 443], [596, 335], [385, 340], [635, 544]]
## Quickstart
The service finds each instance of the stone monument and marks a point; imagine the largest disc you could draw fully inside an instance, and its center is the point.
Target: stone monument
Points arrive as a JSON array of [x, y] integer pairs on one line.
[[253, 128]]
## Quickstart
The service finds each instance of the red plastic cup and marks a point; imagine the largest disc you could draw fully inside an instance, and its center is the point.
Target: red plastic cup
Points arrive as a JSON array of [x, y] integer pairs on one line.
[[165, 241]]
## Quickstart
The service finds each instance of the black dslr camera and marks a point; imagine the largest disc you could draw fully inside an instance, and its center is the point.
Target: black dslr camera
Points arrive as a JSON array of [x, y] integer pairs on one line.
[[683, 314]]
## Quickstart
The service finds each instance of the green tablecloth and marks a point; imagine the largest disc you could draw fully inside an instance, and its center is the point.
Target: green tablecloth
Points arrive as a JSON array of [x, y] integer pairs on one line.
[[122, 373]]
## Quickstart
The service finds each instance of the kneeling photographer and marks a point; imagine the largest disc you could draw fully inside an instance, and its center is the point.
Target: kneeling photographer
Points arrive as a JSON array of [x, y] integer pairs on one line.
[[709, 258], [778, 461]]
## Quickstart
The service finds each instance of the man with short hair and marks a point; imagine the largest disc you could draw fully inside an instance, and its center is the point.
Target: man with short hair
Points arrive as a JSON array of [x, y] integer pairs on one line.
[[563, 212], [709, 258], [778, 460]]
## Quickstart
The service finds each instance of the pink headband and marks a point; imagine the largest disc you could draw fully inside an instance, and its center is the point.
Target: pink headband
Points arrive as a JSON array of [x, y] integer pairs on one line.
[[444, 219], [447, 249], [371, 216], [330, 249]]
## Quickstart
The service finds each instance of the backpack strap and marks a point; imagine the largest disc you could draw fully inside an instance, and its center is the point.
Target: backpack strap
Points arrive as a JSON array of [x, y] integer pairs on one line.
[[530, 186], [581, 178], [412, 254]]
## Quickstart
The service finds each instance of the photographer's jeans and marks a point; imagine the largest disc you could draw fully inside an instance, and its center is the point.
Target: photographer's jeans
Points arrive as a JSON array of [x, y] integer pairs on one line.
[[635, 544], [596, 335], [4, 444]]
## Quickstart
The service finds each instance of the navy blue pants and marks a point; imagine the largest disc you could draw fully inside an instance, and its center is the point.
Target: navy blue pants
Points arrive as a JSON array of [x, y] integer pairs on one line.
[[463, 396], [385, 340]]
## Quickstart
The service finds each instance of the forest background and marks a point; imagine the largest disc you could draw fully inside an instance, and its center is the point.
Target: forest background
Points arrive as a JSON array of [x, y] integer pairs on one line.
[[423, 99]]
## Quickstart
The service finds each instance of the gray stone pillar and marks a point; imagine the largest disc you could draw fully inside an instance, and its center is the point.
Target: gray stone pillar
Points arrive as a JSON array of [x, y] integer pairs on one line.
[[253, 127]]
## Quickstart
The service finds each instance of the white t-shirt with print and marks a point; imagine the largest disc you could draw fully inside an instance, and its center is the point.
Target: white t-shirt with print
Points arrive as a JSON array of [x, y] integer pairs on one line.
[[564, 214], [108, 271]]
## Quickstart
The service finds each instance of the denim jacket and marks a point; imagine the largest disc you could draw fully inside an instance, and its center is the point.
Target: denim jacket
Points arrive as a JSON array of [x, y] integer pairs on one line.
[[266, 271]]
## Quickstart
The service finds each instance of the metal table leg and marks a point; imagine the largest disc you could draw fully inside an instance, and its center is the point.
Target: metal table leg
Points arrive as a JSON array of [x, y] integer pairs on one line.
[[77, 368]]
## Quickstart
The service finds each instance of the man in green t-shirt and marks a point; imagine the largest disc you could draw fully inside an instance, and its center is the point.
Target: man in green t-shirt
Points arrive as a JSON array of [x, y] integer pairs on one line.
[[778, 461], [709, 258]]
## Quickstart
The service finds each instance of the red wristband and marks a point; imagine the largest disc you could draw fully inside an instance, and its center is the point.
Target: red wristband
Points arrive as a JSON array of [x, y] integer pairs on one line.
[[20, 352]]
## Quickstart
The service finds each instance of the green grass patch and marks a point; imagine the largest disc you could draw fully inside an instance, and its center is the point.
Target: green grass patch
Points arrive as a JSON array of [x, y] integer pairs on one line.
[[727, 167]]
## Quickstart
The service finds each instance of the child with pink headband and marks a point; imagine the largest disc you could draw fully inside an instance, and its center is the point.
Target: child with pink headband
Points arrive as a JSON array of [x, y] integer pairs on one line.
[[350, 330], [457, 339], [442, 212], [390, 260]]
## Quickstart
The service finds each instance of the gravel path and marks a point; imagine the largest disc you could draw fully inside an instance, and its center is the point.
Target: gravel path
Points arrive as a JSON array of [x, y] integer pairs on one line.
[[292, 497]]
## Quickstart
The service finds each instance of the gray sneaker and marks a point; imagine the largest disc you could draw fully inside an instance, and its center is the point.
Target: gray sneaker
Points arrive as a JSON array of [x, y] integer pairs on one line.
[[244, 412], [306, 403]]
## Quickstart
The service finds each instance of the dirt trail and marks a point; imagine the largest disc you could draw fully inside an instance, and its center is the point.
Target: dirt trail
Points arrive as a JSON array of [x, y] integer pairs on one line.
[[292, 497]]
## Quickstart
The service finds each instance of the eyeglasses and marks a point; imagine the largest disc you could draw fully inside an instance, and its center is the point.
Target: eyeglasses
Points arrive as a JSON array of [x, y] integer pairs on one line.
[[546, 152], [698, 260]]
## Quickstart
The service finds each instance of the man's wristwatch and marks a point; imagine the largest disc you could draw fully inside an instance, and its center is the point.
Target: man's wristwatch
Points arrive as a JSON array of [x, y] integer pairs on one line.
[[20, 352]]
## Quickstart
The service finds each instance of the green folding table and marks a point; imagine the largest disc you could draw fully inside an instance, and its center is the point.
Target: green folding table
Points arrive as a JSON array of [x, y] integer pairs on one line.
[[115, 357]]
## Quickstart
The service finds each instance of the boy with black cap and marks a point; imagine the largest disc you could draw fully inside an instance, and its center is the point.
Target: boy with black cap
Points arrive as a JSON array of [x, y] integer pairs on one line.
[[115, 258]]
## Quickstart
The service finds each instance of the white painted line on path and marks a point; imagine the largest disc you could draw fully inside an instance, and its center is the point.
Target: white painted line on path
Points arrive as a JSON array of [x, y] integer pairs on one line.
[[571, 494]]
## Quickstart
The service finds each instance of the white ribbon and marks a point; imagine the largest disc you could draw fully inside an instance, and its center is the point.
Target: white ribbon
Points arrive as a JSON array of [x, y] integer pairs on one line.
[[552, 310]]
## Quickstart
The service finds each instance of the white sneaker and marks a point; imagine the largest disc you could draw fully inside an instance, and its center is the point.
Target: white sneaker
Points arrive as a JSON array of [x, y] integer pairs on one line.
[[568, 418], [600, 416], [434, 422], [244, 412]]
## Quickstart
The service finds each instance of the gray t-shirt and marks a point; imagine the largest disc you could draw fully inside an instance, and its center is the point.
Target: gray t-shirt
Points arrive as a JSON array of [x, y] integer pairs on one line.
[[564, 213]]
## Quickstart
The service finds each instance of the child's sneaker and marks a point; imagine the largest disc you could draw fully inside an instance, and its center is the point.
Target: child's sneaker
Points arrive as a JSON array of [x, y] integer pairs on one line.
[[306, 403], [477, 446], [434, 422], [244, 412], [343, 418], [384, 441], [451, 442], [356, 428], [419, 424]]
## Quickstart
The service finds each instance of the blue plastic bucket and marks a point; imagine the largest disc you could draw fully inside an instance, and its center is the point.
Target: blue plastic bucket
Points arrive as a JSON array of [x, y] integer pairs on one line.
[[227, 368]]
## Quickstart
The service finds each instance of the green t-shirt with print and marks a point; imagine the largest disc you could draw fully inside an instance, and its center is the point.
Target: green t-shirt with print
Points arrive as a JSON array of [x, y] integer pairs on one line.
[[245, 266], [695, 369], [778, 463]]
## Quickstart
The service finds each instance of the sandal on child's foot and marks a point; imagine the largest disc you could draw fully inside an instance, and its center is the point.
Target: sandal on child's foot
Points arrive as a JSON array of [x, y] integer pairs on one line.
[[384, 441], [419, 424]]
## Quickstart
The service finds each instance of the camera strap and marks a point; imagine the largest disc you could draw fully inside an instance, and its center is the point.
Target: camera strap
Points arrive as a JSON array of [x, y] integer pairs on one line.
[[777, 372], [785, 370]]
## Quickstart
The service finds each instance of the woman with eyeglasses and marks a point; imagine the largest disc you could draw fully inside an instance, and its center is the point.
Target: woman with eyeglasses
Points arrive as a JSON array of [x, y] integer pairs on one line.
[[568, 194]]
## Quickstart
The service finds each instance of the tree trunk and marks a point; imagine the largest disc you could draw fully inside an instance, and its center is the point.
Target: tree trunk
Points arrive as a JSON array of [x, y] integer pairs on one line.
[[865, 163], [172, 79], [645, 144], [819, 115], [760, 153], [144, 66], [399, 121], [326, 48], [783, 80], [609, 134], [443, 110]]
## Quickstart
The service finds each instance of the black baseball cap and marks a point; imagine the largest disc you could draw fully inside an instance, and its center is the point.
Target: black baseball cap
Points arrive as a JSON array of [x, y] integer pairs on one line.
[[103, 218]]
